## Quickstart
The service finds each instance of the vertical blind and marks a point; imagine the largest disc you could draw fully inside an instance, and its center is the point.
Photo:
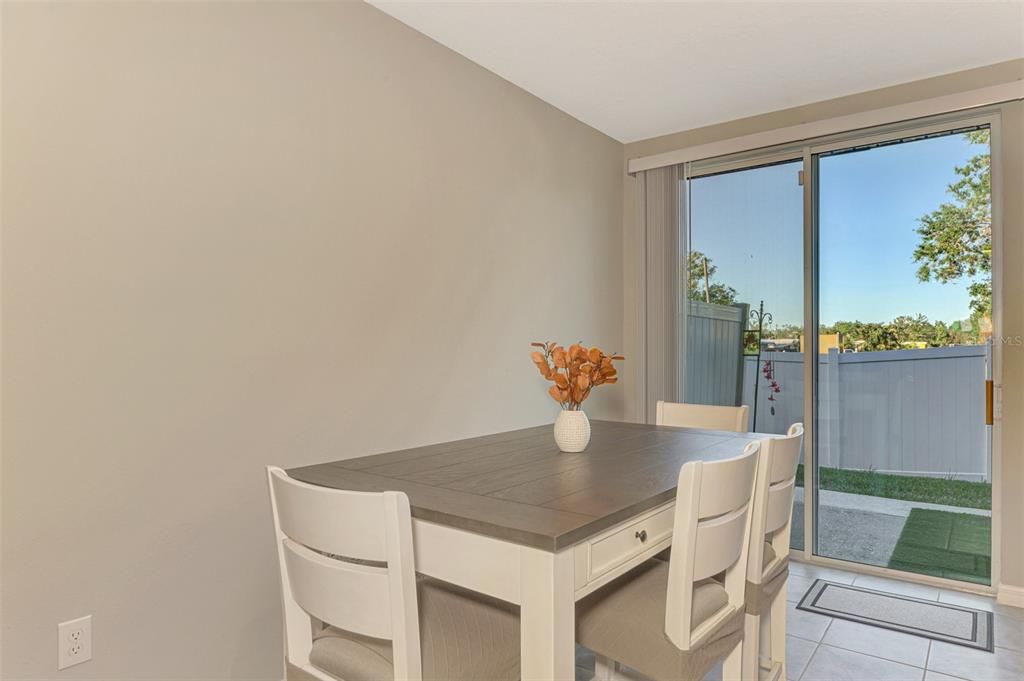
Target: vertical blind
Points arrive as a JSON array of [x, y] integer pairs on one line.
[[662, 203]]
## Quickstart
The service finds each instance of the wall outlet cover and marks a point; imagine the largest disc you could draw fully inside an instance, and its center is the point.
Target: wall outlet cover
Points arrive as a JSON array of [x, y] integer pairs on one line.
[[74, 642]]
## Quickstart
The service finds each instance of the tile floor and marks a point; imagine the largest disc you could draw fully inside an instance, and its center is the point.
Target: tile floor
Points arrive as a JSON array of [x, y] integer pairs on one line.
[[827, 649]]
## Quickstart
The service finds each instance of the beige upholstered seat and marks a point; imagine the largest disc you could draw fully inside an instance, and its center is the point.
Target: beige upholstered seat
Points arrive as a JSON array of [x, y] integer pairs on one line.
[[772, 565], [625, 620], [464, 637], [673, 620], [760, 597], [768, 561], [760, 593], [769, 556], [356, 610]]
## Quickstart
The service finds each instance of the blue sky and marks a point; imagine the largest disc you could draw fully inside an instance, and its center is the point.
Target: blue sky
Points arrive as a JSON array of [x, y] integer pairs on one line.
[[750, 224]]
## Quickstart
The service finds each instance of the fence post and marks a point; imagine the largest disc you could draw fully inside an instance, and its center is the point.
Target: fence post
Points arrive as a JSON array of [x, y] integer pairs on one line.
[[832, 410]]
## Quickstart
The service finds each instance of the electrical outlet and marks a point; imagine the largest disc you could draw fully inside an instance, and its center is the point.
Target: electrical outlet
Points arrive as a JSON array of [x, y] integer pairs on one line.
[[74, 642]]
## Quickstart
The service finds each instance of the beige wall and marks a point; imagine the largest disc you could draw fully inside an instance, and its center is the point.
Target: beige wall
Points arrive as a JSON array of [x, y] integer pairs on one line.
[[1013, 251], [1012, 425], [237, 234]]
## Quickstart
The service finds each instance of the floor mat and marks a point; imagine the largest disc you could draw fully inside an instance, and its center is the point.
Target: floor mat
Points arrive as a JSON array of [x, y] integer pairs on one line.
[[929, 619]]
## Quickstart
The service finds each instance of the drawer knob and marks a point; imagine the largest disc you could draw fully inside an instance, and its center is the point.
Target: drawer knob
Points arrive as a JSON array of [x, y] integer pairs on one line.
[[642, 536]]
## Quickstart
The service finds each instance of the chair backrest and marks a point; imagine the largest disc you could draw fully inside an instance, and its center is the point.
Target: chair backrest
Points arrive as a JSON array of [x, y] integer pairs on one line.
[[711, 535], [707, 416], [773, 498], [346, 559]]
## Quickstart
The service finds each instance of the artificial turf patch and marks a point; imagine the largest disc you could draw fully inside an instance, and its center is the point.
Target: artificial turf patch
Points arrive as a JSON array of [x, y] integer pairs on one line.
[[945, 544]]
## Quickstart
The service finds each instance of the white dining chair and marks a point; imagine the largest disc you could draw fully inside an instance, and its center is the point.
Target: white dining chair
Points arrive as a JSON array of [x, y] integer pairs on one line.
[[707, 416], [768, 556], [671, 620], [354, 607]]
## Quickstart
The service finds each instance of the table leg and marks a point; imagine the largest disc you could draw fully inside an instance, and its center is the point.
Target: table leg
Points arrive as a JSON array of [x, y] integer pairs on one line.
[[547, 615]]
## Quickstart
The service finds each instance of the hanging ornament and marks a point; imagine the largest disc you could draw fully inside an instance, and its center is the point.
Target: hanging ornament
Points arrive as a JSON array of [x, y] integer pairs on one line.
[[768, 371]]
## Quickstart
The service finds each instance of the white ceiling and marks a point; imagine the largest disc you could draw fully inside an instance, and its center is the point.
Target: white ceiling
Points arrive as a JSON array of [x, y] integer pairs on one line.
[[637, 70]]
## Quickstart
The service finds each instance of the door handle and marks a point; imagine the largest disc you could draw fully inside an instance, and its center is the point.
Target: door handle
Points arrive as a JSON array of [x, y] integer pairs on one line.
[[989, 402]]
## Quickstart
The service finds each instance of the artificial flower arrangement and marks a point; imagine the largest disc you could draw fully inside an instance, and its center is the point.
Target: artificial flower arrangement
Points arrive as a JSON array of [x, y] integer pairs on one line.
[[575, 372]]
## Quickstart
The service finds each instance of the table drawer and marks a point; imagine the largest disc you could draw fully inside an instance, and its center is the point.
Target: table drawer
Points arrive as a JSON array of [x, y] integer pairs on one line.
[[620, 548]]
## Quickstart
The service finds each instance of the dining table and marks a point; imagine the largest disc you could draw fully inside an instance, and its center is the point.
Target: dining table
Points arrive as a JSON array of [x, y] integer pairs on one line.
[[510, 516]]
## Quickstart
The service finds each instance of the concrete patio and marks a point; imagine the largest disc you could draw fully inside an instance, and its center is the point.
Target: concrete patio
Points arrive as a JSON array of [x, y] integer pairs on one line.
[[860, 528]]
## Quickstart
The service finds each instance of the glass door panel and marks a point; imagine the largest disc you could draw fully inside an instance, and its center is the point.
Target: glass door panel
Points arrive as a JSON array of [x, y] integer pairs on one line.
[[903, 455], [744, 293]]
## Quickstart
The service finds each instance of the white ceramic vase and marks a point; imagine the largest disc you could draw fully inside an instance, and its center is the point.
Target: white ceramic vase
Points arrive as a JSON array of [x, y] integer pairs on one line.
[[572, 431]]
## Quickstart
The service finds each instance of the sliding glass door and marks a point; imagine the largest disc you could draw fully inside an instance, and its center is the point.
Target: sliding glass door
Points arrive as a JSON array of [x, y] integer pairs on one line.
[[743, 308], [904, 295], [885, 249]]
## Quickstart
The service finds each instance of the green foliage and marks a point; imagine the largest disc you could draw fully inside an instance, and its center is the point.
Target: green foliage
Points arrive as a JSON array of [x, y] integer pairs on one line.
[[903, 332], [716, 292], [867, 336], [956, 238]]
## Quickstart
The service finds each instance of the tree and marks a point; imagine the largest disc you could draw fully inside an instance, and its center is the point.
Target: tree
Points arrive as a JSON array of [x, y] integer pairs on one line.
[[865, 336], [913, 329], [880, 337], [956, 238], [901, 332], [713, 292]]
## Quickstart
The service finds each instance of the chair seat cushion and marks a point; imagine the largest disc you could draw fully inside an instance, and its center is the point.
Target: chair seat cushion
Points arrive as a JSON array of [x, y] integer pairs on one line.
[[625, 621], [759, 595], [775, 582], [773, 564], [769, 555], [463, 637]]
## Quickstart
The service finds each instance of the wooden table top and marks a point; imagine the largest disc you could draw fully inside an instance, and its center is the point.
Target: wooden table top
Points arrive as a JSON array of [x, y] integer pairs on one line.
[[518, 487]]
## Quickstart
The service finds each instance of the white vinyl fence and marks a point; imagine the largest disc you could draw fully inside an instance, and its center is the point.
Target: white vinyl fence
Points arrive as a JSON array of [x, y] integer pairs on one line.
[[714, 352], [916, 412]]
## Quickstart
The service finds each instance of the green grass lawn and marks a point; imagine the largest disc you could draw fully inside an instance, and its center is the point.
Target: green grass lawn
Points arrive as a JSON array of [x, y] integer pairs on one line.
[[908, 488]]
